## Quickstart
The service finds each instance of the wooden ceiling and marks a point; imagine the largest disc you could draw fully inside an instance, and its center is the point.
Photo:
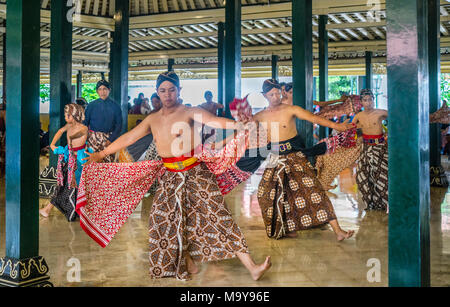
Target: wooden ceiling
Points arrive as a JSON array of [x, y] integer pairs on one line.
[[186, 30]]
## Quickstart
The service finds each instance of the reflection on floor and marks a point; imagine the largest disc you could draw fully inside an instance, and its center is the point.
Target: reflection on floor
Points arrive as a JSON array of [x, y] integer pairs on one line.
[[314, 258]]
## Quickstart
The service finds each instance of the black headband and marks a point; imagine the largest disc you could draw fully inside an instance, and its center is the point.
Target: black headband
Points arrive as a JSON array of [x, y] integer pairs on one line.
[[168, 76], [365, 92], [269, 84], [288, 86], [103, 83]]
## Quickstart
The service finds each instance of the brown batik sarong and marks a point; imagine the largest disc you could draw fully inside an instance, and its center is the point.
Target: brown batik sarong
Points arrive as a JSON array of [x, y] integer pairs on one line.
[[331, 165], [372, 176], [291, 197], [189, 215], [99, 141]]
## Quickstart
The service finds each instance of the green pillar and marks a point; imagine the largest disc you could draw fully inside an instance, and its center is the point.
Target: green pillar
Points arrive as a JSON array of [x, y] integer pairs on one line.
[[361, 83], [22, 266], [220, 64], [170, 64], [79, 84], [409, 182], [274, 63], [437, 173], [4, 65], [232, 53], [119, 59], [323, 66], [302, 63], [60, 70], [369, 70]]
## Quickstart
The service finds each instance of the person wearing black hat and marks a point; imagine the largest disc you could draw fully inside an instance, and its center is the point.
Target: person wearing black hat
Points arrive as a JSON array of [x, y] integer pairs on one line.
[[290, 196], [104, 120], [189, 219]]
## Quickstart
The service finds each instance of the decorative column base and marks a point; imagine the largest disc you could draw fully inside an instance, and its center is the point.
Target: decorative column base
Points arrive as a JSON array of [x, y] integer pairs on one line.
[[438, 177], [30, 272], [47, 182]]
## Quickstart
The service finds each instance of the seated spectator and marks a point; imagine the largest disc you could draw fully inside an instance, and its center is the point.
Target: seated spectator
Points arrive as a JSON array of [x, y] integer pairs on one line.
[[145, 107], [156, 103]]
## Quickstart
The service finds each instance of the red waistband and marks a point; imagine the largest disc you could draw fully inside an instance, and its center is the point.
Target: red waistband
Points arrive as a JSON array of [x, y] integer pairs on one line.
[[78, 148], [178, 159], [368, 137]]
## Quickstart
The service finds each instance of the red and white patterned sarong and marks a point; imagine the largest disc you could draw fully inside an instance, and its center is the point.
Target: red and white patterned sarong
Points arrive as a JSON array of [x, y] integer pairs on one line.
[[109, 192]]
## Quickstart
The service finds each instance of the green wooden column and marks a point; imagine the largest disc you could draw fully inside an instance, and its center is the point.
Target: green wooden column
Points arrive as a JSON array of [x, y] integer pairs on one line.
[[369, 70], [437, 173], [232, 53], [274, 63], [4, 65], [323, 66], [220, 64], [302, 63], [79, 84], [60, 70], [119, 59], [170, 64], [409, 183], [22, 266], [361, 83]]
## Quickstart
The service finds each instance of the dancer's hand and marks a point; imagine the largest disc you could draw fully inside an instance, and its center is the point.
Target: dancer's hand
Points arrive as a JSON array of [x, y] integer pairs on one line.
[[94, 157], [53, 147], [344, 126]]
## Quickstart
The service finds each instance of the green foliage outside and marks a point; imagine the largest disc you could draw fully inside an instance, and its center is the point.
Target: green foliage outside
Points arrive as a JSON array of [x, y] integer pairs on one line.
[[89, 92], [336, 85], [445, 88]]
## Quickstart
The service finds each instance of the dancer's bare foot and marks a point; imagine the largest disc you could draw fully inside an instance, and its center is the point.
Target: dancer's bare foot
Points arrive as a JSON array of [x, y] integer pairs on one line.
[[342, 235], [191, 266], [43, 213], [258, 271], [292, 234]]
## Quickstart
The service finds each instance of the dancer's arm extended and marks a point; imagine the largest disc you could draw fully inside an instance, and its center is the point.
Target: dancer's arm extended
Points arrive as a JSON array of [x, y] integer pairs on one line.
[[122, 142], [303, 114], [204, 117]]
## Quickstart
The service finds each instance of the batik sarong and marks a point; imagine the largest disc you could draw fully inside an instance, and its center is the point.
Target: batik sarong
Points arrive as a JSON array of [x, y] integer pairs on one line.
[[109, 192], [69, 169], [98, 141], [329, 166], [372, 172], [291, 197], [441, 116], [189, 215], [350, 106]]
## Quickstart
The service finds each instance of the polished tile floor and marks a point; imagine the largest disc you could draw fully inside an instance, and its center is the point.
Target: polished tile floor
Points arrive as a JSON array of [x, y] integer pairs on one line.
[[314, 258]]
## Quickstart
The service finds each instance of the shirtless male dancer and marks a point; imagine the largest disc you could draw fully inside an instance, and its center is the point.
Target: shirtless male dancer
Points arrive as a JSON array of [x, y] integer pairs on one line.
[[207, 227], [372, 170], [290, 196]]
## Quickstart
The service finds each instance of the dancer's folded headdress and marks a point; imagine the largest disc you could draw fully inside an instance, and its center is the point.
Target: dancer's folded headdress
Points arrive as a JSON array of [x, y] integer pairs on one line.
[[365, 92], [168, 76], [269, 84]]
